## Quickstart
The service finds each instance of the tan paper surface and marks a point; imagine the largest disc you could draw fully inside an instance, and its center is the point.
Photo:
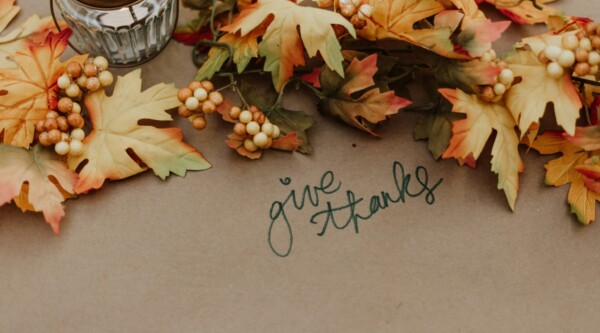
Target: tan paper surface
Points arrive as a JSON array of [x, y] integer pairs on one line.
[[192, 254]]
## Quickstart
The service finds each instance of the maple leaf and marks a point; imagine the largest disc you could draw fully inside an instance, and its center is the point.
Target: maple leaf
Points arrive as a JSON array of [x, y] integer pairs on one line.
[[33, 31], [563, 170], [282, 44], [362, 112], [476, 32], [8, 11], [525, 12], [30, 91], [471, 134], [397, 18], [45, 177], [117, 133], [527, 100], [244, 49]]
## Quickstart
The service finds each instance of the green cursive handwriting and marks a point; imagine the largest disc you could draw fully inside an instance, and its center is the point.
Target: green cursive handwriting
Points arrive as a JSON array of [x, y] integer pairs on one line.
[[341, 217]]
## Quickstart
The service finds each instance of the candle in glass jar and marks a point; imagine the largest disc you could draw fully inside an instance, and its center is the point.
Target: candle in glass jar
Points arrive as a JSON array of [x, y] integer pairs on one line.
[[124, 31]]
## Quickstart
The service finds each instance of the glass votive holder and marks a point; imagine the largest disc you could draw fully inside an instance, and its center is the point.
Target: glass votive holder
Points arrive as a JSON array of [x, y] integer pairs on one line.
[[126, 32]]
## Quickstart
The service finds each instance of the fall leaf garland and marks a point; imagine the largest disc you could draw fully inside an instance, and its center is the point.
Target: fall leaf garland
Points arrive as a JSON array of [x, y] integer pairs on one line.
[[357, 58]]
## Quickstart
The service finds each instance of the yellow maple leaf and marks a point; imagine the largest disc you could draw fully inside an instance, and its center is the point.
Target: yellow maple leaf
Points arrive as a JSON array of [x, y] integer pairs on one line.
[[563, 170], [527, 100], [118, 139], [471, 134], [37, 179], [30, 91], [31, 32], [282, 44], [525, 12], [8, 11]]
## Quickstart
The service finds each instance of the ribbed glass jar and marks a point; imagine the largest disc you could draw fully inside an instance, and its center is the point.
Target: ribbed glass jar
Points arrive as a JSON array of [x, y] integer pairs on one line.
[[126, 32]]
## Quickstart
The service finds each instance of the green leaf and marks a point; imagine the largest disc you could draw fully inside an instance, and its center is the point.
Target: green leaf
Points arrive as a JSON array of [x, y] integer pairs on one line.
[[437, 127]]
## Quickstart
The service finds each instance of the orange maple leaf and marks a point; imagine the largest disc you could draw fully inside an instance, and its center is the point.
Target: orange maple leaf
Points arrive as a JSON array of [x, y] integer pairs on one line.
[[471, 134], [37, 179], [30, 91], [569, 169], [362, 112]]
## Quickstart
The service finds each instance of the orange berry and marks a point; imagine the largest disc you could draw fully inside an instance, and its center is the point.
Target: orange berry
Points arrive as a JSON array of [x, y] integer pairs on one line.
[[199, 123], [92, 84], [194, 85], [74, 69], [207, 85], [43, 139], [50, 124], [234, 112], [239, 129], [184, 93], [75, 120], [209, 107], [184, 112], [39, 126], [63, 125], [90, 70], [65, 104], [54, 136]]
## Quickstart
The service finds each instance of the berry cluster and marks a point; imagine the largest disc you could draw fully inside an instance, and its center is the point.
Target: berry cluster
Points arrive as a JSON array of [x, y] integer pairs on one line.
[[579, 52], [63, 127], [198, 98], [256, 130], [91, 77], [503, 82], [356, 12]]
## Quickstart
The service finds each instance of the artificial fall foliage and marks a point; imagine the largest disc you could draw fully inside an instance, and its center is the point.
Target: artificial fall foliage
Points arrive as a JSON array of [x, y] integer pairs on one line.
[[359, 60], [30, 91], [116, 129], [37, 178]]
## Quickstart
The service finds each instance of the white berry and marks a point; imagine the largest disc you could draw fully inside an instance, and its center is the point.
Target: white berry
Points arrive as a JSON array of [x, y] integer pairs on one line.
[[64, 81], [76, 108], [365, 11], [566, 58], [201, 94], [594, 70], [245, 117], [76, 148], [586, 44], [73, 90], [267, 128], [106, 78], [552, 52], [276, 132], [506, 77], [594, 58], [570, 42], [252, 128], [101, 63], [250, 146], [356, 3], [192, 103], [499, 89], [555, 70], [486, 57], [77, 134], [260, 140], [82, 81], [62, 148]]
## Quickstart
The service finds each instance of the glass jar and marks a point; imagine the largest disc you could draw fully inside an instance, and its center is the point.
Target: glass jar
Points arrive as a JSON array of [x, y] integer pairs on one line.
[[126, 32]]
